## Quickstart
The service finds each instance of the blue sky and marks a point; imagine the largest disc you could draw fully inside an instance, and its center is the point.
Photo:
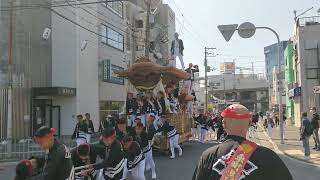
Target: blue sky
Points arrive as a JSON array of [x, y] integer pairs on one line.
[[197, 21]]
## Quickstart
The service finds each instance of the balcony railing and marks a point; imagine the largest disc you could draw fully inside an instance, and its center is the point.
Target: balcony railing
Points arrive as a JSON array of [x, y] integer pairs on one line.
[[308, 21]]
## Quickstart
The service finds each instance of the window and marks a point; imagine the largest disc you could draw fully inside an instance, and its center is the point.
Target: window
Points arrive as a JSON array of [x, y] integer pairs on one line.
[[116, 7], [112, 37], [103, 33]]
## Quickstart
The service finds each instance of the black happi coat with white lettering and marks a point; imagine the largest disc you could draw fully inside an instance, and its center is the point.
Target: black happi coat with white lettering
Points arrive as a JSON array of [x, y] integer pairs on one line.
[[95, 150], [151, 132], [142, 140], [168, 129], [57, 164], [134, 155], [120, 135], [80, 130], [113, 163], [264, 164], [131, 106]]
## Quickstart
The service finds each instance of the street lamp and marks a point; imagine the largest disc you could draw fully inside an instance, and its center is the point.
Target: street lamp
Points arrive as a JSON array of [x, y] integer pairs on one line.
[[247, 30]]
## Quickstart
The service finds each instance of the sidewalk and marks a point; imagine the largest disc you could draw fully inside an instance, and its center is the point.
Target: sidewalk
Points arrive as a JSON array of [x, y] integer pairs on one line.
[[293, 146]]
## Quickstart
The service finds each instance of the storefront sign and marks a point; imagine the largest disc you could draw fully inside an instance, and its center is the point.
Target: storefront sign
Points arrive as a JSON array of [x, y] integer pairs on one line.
[[66, 92], [108, 74], [54, 91], [295, 92]]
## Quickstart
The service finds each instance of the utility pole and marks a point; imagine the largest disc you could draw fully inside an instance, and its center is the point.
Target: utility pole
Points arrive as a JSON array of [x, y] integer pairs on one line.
[[206, 53], [147, 45], [9, 116], [224, 91], [234, 74], [252, 68]]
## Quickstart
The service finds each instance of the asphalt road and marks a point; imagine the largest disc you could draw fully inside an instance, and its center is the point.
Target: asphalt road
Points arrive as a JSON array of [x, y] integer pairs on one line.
[[182, 168]]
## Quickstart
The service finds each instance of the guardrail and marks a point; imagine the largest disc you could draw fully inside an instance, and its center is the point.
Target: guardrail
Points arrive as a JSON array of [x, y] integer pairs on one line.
[[16, 150]]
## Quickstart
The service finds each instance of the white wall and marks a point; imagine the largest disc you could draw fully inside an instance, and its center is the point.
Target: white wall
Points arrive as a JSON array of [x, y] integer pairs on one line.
[[88, 82], [64, 66], [74, 68], [63, 51]]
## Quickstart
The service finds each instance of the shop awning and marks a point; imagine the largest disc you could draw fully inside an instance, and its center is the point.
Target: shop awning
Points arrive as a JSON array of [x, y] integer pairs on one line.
[[54, 91]]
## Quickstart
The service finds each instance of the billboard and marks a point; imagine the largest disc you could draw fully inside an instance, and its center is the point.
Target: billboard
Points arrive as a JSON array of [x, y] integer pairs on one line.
[[227, 68]]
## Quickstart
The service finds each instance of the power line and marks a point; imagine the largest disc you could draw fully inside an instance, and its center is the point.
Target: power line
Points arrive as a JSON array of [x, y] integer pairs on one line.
[[86, 4], [240, 56], [124, 31], [132, 29], [62, 4], [83, 27], [71, 5], [186, 20], [190, 33]]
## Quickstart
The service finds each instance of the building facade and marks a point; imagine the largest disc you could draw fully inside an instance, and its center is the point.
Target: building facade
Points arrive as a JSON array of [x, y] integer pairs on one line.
[[271, 62], [64, 61], [289, 80], [162, 29], [306, 43], [271, 57], [31, 65], [67, 73], [246, 89]]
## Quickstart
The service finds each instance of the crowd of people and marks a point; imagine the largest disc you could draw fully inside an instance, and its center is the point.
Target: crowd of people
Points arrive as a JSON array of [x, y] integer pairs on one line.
[[125, 142], [121, 149], [204, 123], [212, 122], [124, 150], [83, 129], [237, 157]]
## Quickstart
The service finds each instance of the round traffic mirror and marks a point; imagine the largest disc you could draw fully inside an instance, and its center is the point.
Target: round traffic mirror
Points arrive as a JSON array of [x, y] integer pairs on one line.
[[246, 30]]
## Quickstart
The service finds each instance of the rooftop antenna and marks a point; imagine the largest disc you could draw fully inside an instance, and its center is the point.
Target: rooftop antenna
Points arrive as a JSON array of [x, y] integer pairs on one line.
[[297, 16]]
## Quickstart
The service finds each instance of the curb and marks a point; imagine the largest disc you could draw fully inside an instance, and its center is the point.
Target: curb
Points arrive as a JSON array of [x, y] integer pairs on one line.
[[8, 163], [299, 159], [276, 148]]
